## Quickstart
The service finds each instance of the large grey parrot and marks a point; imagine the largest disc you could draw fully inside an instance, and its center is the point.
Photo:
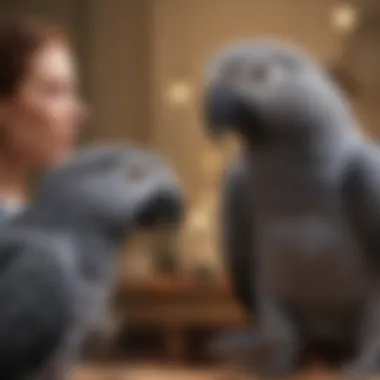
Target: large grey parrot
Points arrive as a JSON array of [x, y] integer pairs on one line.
[[57, 259], [302, 205]]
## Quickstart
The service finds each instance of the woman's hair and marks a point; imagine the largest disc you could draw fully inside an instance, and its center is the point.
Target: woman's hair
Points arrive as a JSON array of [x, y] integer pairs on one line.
[[20, 38]]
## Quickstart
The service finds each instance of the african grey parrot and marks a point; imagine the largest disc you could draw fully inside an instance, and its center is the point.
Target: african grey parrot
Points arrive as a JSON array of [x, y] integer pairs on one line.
[[57, 259], [305, 234]]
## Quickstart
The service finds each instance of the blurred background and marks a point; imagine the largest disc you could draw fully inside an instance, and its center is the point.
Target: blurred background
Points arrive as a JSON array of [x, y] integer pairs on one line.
[[141, 64]]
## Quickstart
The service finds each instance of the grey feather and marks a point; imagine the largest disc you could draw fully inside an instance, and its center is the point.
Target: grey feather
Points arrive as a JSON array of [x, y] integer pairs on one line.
[[237, 232]]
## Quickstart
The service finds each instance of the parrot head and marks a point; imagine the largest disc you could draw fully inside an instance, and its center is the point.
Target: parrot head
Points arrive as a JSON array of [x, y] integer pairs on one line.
[[115, 188], [268, 91]]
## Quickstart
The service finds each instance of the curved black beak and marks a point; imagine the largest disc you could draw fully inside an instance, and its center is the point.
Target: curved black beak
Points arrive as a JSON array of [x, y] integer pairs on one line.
[[225, 110], [165, 207]]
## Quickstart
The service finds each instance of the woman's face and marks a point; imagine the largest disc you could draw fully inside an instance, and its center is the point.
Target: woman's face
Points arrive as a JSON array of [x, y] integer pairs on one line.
[[46, 114]]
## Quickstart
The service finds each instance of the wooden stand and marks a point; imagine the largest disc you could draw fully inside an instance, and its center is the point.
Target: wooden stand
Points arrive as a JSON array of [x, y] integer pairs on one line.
[[179, 307]]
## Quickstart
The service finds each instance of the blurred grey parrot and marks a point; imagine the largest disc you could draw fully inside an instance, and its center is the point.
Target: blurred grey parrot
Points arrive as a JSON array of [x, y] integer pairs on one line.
[[302, 206], [57, 259]]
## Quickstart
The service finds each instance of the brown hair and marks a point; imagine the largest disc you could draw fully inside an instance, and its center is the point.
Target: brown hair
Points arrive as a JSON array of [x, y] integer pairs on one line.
[[20, 38]]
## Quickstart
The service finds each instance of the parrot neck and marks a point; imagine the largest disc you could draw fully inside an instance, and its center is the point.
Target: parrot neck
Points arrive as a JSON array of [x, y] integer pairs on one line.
[[69, 223], [307, 141], [95, 251], [301, 162]]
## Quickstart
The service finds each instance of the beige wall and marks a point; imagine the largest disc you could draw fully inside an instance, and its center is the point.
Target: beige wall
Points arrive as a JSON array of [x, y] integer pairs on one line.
[[361, 60], [118, 63]]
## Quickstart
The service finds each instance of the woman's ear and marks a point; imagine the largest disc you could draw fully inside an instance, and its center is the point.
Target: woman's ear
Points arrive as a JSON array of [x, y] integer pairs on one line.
[[346, 80]]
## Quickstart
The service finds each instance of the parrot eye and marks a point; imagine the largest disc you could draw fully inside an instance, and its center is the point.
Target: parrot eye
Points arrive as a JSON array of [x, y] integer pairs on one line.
[[136, 173], [260, 73]]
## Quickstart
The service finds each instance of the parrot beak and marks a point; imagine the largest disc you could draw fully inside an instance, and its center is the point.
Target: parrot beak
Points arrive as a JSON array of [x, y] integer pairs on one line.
[[165, 207], [219, 104], [225, 111]]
